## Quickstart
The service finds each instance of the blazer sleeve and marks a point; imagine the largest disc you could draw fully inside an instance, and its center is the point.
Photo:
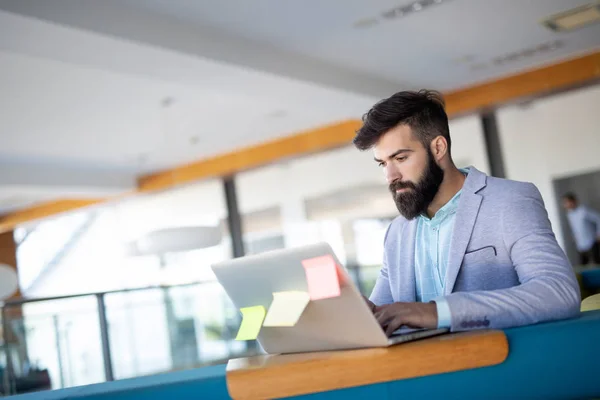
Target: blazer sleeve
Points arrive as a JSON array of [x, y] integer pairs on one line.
[[548, 289], [382, 293]]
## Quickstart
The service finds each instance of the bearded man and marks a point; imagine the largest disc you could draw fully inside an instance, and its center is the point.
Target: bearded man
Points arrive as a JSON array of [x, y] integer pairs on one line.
[[468, 251]]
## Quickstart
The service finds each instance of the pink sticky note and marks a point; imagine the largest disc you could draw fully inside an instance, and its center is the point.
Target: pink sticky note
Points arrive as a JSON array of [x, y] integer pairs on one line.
[[322, 277]]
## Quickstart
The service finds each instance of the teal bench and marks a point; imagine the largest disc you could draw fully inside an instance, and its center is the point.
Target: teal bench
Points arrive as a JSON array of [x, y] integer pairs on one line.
[[556, 360], [591, 279]]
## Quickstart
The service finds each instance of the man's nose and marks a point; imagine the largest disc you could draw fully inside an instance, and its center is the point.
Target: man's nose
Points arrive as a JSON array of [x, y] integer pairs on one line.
[[392, 174]]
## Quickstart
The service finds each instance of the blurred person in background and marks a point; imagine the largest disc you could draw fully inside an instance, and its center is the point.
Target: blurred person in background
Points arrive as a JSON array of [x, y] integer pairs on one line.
[[585, 226]]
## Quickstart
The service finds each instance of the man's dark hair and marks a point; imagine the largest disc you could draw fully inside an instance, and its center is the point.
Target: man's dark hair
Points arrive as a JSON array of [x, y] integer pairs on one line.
[[423, 111], [570, 196]]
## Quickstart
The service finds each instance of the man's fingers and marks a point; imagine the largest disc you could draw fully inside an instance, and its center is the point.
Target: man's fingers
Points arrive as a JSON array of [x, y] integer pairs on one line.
[[383, 317], [393, 326], [382, 308]]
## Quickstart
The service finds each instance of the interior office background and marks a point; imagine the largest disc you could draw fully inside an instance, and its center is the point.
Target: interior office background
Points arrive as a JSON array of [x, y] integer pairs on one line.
[[338, 196]]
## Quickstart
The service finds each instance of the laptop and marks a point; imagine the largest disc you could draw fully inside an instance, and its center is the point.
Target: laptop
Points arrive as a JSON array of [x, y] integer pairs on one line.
[[337, 323]]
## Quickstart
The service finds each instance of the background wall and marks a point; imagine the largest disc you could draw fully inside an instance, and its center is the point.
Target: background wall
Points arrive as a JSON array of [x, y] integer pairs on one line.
[[552, 138]]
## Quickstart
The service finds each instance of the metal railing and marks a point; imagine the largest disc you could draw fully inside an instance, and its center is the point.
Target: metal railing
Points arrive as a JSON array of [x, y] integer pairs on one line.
[[94, 337], [175, 318]]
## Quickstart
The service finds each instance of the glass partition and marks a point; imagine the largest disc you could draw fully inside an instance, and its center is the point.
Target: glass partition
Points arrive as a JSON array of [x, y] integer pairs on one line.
[[64, 342]]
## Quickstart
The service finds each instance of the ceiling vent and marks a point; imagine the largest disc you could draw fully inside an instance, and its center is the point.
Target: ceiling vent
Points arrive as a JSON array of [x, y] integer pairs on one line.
[[575, 18], [518, 55], [528, 52], [401, 11], [405, 10]]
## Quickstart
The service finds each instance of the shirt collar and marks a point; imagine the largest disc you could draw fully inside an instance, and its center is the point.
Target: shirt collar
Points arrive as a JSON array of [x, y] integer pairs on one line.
[[448, 209]]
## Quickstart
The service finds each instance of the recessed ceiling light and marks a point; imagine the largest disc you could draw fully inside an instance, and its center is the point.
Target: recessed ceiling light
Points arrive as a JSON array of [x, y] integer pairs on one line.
[[574, 18], [365, 22]]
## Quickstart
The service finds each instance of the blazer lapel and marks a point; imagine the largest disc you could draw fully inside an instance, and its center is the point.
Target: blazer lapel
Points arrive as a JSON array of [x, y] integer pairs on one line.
[[406, 280], [465, 218]]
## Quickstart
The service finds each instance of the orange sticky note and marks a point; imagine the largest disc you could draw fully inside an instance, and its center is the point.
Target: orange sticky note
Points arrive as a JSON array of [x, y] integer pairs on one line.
[[322, 277]]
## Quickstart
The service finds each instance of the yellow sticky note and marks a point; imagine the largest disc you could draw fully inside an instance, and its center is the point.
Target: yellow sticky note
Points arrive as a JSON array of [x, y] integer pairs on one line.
[[286, 308], [252, 319], [591, 303]]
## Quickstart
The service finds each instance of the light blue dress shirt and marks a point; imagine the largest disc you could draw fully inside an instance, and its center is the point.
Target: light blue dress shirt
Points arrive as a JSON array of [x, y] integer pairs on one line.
[[432, 248], [585, 225]]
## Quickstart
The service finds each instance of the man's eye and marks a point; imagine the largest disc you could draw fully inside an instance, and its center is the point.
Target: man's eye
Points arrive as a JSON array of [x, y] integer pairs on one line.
[[401, 158], [381, 164]]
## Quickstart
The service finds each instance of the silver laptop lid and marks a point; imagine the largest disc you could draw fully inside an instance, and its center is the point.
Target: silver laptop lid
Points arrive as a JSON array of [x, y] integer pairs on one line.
[[342, 322]]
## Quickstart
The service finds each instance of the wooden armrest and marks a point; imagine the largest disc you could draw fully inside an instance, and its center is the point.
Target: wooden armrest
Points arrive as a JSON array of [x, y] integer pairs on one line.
[[274, 376]]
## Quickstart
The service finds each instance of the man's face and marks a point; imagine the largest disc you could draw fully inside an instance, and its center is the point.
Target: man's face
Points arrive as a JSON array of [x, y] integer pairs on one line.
[[413, 176], [569, 204]]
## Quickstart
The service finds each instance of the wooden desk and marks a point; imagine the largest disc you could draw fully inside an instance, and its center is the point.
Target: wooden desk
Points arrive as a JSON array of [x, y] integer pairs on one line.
[[278, 376]]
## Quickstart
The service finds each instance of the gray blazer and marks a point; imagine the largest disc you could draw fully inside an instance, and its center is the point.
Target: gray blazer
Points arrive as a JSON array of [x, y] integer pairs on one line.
[[505, 267]]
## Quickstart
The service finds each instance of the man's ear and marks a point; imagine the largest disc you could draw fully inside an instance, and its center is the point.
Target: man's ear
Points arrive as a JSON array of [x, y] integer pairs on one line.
[[439, 148]]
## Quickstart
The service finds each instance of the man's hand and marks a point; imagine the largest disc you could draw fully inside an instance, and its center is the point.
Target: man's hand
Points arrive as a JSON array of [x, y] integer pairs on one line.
[[414, 315], [371, 305]]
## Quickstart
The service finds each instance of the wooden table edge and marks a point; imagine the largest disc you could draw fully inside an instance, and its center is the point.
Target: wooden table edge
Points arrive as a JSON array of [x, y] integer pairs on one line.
[[296, 374]]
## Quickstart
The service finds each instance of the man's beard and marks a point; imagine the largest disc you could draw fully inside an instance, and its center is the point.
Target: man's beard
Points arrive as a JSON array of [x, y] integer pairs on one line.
[[418, 197]]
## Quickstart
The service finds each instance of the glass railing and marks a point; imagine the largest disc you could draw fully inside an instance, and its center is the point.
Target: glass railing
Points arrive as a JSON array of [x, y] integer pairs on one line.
[[60, 342]]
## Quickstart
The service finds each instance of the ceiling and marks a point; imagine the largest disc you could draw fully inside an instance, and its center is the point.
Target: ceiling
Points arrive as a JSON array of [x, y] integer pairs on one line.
[[434, 48], [95, 93]]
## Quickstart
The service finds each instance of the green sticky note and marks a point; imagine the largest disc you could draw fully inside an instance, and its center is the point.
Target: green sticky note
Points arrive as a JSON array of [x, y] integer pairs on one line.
[[252, 319], [286, 308]]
